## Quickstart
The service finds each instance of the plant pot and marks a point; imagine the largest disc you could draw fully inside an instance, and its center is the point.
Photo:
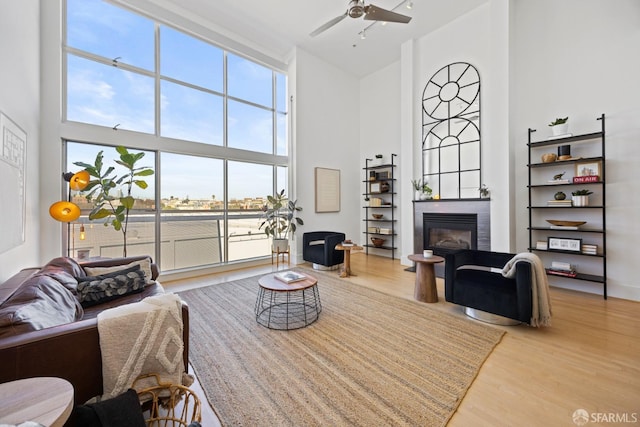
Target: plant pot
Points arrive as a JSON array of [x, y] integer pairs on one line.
[[280, 245], [580, 200], [561, 129]]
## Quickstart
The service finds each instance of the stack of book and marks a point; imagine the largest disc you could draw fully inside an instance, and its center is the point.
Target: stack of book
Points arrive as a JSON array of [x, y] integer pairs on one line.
[[589, 249], [542, 245], [562, 269], [558, 181], [559, 203]]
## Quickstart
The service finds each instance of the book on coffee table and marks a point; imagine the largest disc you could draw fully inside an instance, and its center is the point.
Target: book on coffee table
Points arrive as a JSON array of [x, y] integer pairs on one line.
[[289, 276]]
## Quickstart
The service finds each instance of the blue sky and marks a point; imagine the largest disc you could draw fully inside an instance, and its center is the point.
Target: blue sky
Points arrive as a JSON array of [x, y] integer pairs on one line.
[[105, 95]]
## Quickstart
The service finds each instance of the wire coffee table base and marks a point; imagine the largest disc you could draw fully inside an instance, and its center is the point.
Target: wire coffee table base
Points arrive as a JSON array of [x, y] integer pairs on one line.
[[287, 306]]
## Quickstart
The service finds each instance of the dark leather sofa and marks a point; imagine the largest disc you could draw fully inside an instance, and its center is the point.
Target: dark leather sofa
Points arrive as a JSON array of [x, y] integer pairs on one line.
[[469, 282], [69, 350], [318, 247]]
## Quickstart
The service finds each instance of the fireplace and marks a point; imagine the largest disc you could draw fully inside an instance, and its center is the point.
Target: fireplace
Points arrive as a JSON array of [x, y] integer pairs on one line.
[[453, 218], [447, 232]]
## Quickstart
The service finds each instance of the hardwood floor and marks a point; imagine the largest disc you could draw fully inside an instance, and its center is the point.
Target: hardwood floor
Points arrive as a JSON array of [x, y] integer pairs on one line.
[[588, 359]]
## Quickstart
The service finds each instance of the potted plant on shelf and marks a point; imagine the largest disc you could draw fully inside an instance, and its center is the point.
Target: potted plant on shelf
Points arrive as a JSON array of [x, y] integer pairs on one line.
[[114, 209], [484, 191], [280, 220], [559, 126], [379, 160], [581, 197]]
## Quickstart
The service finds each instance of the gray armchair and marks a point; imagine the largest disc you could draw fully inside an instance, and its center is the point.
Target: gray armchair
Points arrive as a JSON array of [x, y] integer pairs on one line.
[[469, 281], [318, 248]]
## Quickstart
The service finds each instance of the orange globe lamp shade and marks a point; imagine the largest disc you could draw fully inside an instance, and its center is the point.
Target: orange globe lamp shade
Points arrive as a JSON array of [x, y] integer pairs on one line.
[[79, 181], [64, 211]]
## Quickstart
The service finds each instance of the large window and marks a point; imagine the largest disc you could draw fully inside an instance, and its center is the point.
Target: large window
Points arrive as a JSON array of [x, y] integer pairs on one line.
[[128, 72]]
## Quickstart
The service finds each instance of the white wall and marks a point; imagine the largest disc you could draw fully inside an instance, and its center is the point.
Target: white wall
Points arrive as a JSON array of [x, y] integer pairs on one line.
[[326, 134], [20, 101], [379, 117], [579, 58]]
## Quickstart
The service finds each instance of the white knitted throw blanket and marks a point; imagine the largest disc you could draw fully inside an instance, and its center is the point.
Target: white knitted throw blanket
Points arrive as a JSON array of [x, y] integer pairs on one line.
[[142, 338], [540, 300]]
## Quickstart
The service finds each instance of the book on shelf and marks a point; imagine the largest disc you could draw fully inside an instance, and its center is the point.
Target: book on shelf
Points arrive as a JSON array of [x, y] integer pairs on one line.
[[589, 249], [588, 178], [561, 273], [563, 266], [542, 245], [561, 203], [558, 181], [289, 276], [563, 227]]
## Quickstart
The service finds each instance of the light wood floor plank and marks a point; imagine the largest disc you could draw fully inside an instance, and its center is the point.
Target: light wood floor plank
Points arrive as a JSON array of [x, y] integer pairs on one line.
[[589, 358]]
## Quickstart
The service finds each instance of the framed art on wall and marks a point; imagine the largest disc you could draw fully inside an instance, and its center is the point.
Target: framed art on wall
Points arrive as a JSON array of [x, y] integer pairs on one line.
[[564, 244], [327, 186]]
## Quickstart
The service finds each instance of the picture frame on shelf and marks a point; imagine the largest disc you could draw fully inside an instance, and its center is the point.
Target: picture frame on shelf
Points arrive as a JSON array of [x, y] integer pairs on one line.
[[584, 169], [564, 244], [375, 187]]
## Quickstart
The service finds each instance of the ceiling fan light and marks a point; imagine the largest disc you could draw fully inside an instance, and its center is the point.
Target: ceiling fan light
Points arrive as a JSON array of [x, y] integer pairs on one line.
[[410, 5]]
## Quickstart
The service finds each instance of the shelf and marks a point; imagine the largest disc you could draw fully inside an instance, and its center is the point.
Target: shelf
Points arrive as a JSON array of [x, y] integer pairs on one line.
[[579, 230], [564, 162], [380, 177], [581, 276], [542, 190], [389, 248], [385, 166], [566, 207], [564, 184], [567, 140], [567, 253]]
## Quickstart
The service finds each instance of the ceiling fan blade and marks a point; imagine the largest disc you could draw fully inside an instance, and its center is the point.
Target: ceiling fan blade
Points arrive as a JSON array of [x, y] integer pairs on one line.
[[375, 13], [329, 24]]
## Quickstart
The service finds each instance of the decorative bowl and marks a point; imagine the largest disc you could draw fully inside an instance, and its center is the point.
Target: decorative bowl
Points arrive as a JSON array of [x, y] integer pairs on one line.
[[377, 216], [563, 223], [549, 157], [377, 241]]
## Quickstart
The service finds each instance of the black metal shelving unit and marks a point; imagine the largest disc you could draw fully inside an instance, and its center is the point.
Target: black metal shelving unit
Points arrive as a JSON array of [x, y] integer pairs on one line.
[[380, 175], [537, 231]]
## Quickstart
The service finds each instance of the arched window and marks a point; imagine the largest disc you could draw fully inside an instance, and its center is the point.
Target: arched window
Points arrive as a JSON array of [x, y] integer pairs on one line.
[[451, 151]]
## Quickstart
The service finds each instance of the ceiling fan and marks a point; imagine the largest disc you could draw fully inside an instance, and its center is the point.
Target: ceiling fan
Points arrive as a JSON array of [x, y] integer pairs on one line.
[[371, 12]]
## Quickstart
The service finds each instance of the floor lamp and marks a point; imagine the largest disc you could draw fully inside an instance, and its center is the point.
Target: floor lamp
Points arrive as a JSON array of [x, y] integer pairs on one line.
[[66, 210]]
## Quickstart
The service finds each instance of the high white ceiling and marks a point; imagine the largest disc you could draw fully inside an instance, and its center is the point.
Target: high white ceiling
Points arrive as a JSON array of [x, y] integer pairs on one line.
[[277, 26]]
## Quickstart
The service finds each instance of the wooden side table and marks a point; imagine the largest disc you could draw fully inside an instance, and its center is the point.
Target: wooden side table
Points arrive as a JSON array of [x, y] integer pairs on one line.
[[346, 272], [278, 253], [45, 400], [425, 289]]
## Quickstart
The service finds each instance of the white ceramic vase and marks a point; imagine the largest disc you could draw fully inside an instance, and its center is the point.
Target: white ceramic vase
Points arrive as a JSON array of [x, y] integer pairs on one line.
[[580, 200], [560, 129]]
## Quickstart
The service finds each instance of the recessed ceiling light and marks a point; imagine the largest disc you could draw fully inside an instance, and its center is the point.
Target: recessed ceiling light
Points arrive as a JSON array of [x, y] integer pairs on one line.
[[410, 5]]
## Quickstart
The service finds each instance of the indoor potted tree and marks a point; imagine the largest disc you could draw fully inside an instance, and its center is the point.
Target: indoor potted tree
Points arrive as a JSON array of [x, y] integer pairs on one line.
[[114, 209], [280, 220], [581, 197]]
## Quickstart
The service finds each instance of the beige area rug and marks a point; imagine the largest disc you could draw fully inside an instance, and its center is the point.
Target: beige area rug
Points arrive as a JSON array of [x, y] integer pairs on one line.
[[369, 360]]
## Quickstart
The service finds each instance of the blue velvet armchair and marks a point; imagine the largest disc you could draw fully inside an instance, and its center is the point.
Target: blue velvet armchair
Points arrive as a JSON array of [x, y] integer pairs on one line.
[[318, 247], [469, 282]]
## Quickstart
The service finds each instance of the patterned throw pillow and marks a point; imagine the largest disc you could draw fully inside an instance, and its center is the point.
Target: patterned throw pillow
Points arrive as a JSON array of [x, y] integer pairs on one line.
[[94, 290], [145, 265]]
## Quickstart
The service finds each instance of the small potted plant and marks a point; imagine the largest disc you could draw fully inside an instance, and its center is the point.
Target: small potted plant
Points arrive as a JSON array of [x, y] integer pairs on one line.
[[379, 160], [280, 220], [581, 197], [559, 126], [423, 191], [484, 191]]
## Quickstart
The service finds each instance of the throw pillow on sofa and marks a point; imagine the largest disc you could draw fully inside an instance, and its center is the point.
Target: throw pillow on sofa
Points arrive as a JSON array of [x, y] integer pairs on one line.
[[94, 290], [145, 265]]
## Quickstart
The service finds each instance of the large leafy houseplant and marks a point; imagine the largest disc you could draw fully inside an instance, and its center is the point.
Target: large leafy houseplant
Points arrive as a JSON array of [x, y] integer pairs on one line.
[[280, 217], [110, 193]]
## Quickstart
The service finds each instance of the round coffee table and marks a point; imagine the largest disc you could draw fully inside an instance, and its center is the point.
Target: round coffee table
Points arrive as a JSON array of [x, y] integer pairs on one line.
[[45, 400], [287, 306], [425, 289]]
